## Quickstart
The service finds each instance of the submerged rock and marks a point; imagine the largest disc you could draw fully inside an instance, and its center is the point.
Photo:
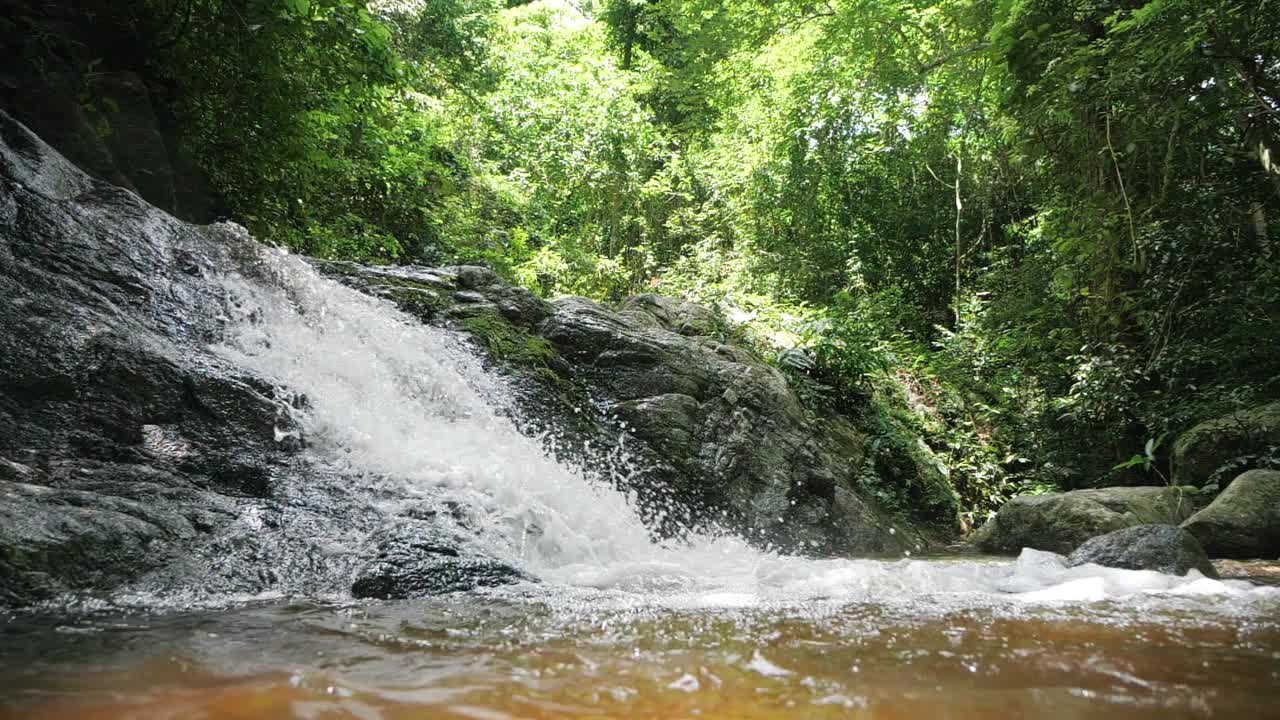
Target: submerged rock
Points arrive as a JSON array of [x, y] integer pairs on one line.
[[1244, 520], [1219, 449], [1061, 522], [1162, 548]]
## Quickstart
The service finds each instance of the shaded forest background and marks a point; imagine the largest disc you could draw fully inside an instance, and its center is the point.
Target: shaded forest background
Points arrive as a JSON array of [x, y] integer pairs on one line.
[[1039, 232]]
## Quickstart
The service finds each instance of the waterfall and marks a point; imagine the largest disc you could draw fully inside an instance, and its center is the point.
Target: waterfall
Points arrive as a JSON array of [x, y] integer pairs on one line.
[[408, 413]]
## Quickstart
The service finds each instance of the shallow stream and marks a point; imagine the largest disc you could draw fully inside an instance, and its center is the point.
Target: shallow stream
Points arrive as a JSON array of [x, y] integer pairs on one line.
[[1195, 650]]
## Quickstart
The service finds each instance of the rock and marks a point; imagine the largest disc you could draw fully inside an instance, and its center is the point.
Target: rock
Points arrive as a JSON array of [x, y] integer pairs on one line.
[[138, 458], [671, 314], [124, 440], [716, 435], [1162, 548], [1244, 520], [1061, 522], [730, 437], [419, 560], [55, 540], [134, 457], [1225, 445], [431, 575]]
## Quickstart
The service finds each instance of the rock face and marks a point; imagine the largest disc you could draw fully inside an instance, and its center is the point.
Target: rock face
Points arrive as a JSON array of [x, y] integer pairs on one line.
[[1225, 446], [110, 436], [1244, 520], [717, 434], [1061, 522], [732, 434], [131, 455], [1163, 548]]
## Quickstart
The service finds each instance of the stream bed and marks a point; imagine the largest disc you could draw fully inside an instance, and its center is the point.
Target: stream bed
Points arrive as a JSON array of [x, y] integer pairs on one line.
[[544, 651]]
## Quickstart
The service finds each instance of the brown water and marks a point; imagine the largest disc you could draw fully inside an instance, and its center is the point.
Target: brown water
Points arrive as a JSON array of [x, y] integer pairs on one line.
[[578, 654]]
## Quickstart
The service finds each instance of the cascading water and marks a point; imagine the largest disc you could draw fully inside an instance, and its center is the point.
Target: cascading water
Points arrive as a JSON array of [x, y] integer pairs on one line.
[[409, 409]]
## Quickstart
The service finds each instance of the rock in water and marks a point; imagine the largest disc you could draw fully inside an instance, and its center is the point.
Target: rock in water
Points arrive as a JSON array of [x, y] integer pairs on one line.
[[416, 560], [1244, 520], [1061, 522], [1163, 548]]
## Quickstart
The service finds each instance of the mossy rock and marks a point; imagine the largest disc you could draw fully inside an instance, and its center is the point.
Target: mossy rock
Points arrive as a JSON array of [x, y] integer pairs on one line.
[[1244, 521], [1227, 444], [509, 345], [906, 476], [422, 303], [1061, 522]]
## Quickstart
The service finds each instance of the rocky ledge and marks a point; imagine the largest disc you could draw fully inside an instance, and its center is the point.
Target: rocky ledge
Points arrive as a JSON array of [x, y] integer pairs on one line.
[[717, 435]]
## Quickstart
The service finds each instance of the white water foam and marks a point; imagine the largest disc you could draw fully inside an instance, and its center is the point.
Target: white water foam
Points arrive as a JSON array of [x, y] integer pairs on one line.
[[404, 406]]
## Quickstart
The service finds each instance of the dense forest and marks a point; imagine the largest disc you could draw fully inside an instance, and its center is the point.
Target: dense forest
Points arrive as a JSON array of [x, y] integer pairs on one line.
[[1038, 232]]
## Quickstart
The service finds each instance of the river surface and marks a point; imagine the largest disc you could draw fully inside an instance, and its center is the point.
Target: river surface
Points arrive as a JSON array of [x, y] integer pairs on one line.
[[535, 651]]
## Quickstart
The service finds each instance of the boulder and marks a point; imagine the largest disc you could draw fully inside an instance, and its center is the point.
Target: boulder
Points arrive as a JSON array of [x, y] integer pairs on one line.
[[1061, 522], [1162, 548], [419, 559], [672, 314], [1219, 449], [1244, 520]]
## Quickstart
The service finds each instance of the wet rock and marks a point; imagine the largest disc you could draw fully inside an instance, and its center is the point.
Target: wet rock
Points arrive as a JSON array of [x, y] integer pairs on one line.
[[1219, 449], [717, 435], [426, 575], [1162, 548], [730, 434], [1244, 520], [1061, 522], [518, 305], [421, 560], [126, 443], [56, 540]]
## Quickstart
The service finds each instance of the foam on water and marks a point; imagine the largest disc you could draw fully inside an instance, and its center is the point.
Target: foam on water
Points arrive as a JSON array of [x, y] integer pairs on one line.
[[411, 410]]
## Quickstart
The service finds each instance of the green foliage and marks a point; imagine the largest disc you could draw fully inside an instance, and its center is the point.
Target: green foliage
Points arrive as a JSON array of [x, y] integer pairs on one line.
[[319, 122]]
